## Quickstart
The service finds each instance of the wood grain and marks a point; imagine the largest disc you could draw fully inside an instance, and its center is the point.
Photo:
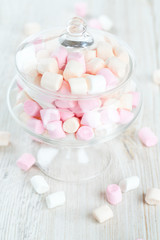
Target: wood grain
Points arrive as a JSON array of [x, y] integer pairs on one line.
[[23, 214]]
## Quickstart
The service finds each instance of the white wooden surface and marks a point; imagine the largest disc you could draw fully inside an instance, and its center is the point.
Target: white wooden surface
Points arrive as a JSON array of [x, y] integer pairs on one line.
[[23, 214]]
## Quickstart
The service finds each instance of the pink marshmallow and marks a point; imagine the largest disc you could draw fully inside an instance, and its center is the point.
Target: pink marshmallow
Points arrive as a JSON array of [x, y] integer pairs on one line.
[[85, 133], [32, 108], [88, 105], [61, 56], [65, 103], [136, 99], [125, 116], [114, 194], [81, 9], [91, 119], [55, 130], [36, 125], [49, 115], [26, 161], [77, 56], [104, 117], [77, 111], [111, 79], [147, 137], [65, 114], [113, 115], [65, 88], [94, 23]]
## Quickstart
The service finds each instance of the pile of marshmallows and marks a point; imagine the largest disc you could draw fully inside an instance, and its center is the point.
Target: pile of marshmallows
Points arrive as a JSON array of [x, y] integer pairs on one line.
[[88, 72]]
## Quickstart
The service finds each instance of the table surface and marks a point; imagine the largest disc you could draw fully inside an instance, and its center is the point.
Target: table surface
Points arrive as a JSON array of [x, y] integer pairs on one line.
[[23, 213]]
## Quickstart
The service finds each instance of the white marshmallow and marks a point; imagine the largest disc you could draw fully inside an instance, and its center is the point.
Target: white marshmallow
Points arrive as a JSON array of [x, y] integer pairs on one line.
[[126, 101], [24, 117], [4, 138], [153, 196], [94, 65], [96, 84], [71, 125], [102, 213], [156, 76], [73, 69], [51, 81], [89, 54], [22, 96], [116, 66], [31, 28], [47, 65], [121, 54], [105, 22], [104, 50], [112, 103], [39, 184], [129, 184], [43, 54], [45, 156], [78, 85], [91, 119], [55, 199]]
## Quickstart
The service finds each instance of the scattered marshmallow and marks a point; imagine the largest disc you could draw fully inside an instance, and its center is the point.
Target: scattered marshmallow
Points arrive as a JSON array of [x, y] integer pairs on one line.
[[91, 119], [31, 28], [114, 194], [147, 137], [103, 213], [73, 69], [94, 65], [129, 184], [153, 196], [96, 84], [47, 65], [26, 161], [104, 50], [51, 81], [85, 133], [4, 138], [71, 125], [116, 66], [55, 130], [89, 104], [45, 156], [55, 199], [105, 22], [32, 108], [78, 85], [156, 76], [49, 115], [39, 184], [81, 9]]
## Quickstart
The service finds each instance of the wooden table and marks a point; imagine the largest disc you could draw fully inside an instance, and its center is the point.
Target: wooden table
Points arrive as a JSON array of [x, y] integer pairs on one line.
[[23, 214]]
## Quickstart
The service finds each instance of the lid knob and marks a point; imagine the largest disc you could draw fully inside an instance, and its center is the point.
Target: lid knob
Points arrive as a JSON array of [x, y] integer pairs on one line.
[[76, 35]]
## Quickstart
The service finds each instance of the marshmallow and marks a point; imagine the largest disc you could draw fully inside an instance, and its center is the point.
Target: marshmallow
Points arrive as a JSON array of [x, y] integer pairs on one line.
[[89, 104], [45, 156], [129, 184], [39, 184], [77, 111], [89, 54], [91, 119], [81, 9], [102, 213], [65, 114], [147, 137], [71, 125], [105, 22], [65, 103], [121, 54], [77, 56], [73, 69], [114, 194], [104, 50], [116, 66], [24, 117], [125, 116], [94, 65], [153, 196], [31, 28], [22, 96], [49, 115], [85, 133], [4, 138], [51, 81], [55, 199], [96, 84], [136, 99], [36, 125], [111, 79], [43, 53], [32, 108], [18, 109], [94, 23], [78, 85], [47, 65], [65, 89], [61, 57], [55, 130], [156, 76], [110, 115], [112, 103], [126, 101], [26, 161]]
